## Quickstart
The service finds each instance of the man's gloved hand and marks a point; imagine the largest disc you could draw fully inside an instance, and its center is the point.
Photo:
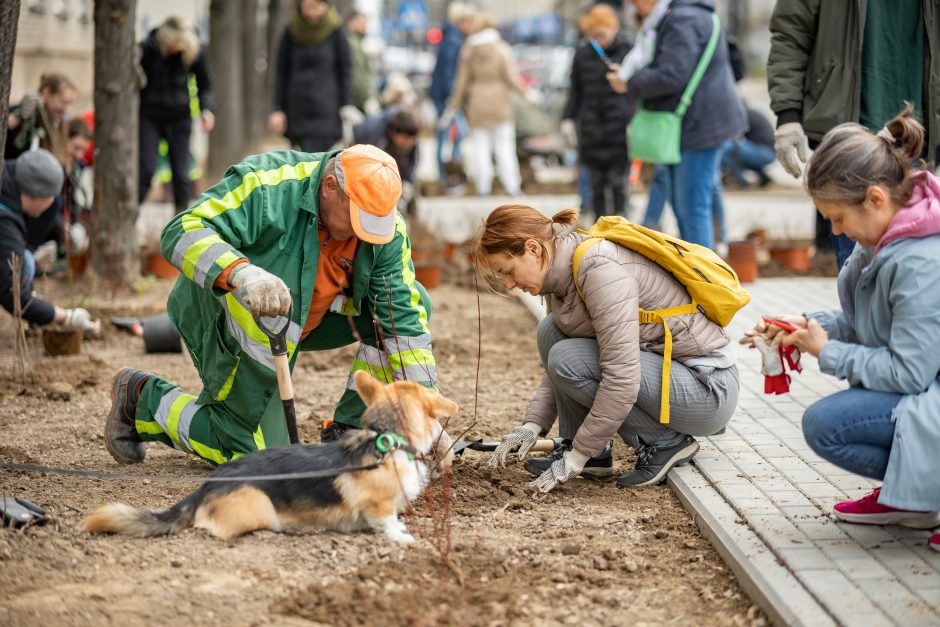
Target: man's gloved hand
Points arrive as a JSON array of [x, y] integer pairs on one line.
[[80, 319], [570, 132], [372, 107], [263, 293], [351, 115], [791, 146], [560, 471], [78, 239], [520, 440]]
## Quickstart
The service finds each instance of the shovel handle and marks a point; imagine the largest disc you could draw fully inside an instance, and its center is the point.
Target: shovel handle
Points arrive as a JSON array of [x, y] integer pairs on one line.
[[286, 388], [544, 445]]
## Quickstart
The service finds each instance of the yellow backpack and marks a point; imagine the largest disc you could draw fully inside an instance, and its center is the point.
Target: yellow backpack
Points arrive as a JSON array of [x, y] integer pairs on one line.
[[711, 283]]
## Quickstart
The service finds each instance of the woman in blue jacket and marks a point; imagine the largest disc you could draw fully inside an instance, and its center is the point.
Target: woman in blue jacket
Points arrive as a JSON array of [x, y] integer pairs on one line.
[[883, 341]]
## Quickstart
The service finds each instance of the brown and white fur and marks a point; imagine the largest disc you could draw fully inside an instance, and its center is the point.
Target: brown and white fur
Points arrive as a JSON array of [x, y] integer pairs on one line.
[[348, 501]]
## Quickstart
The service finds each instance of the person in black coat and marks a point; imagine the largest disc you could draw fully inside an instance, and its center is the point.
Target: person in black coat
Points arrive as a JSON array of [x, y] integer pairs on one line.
[[30, 202], [313, 80], [598, 113], [168, 57]]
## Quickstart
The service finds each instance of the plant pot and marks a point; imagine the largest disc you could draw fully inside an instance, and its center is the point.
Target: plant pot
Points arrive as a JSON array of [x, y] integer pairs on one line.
[[448, 251], [77, 265], [419, 256], [428, 274], [161, 335], [794, 257], [62, 341], [161, 268], [742, 257]]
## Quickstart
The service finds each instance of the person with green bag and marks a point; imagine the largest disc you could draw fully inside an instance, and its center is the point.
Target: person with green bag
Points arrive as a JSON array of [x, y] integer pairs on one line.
[[680, 72]]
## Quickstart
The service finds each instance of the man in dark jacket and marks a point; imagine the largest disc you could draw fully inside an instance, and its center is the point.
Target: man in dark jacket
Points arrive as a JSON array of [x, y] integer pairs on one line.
[[598, 112], [850, 61], [442, 79], [169, 56], [31, 192]]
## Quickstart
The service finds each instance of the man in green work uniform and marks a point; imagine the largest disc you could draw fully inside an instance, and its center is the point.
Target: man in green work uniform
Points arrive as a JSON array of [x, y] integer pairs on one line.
[[316, 235]]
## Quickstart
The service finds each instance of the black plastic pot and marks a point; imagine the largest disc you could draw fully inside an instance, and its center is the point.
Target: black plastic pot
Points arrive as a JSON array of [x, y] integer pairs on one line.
[[161, 336]]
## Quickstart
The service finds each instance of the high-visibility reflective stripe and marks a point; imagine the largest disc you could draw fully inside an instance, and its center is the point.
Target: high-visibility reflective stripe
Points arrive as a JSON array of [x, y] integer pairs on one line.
[[212, 256], [258, 437], [411, 365], [192, 254], [223, 392], [148, 426], [379, 372], [212, 207], [252, 339], [188, 239], [182, 425], [207, 452], [408, 275]]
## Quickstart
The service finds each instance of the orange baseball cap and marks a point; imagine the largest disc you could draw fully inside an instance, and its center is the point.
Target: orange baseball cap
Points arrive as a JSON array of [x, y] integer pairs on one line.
[[369, 177]]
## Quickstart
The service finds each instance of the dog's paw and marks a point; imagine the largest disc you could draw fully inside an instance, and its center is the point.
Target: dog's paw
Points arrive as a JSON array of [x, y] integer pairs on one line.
[[403, 538]]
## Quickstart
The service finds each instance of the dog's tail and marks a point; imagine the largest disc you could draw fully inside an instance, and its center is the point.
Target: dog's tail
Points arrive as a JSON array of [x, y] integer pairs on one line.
[[121, 518]]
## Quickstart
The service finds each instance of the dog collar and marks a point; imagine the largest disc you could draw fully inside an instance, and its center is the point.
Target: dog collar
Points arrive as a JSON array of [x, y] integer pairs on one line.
[[388, 442]]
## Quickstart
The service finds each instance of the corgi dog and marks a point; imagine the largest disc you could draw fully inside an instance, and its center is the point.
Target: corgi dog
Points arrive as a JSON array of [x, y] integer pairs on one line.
[[400, 423]]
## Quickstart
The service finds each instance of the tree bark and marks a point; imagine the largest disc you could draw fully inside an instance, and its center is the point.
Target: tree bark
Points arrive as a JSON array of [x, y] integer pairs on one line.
[[251, 77], [226, 142], [9, 18], [114, 251]]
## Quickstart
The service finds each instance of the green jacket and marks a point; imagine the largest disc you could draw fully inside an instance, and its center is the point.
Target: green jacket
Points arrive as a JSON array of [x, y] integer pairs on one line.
[[363, 81], [816, 57], [265, 209]]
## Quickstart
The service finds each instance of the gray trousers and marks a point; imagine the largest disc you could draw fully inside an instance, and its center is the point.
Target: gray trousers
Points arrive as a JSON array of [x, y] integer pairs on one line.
[[701, 403]]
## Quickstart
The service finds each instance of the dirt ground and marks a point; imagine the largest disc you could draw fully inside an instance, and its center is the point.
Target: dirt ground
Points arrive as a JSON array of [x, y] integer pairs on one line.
[[587, 553]]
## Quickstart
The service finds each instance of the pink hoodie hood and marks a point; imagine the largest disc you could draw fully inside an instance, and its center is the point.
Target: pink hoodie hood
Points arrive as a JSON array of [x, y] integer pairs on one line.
[[920, 217]]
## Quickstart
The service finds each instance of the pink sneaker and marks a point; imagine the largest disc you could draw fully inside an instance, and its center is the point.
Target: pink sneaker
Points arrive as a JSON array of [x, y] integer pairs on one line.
[[934, 542], [868, 511]]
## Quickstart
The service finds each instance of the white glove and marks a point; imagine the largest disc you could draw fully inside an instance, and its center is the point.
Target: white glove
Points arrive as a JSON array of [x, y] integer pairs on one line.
[[561, 470], [771, 361], [351, 115], [520, 440], [791, 146], [570, 132], [372, 107], [263, 293], [79, 318], [78, 239], [407, 191], [446, 119]]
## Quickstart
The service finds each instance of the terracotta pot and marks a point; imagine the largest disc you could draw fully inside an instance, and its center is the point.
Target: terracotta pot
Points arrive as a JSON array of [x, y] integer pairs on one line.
[[428, 274], [76, 265], [742, 257], [419, 256], [795, 257], [62, 341], [448, 252], [161, 268]]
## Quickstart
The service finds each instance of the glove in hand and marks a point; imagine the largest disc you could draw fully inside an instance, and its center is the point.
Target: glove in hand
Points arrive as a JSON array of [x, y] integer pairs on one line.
[[570, 132], [261, 292], [560, 471], [791, 146], [520, 440], [80, 319]]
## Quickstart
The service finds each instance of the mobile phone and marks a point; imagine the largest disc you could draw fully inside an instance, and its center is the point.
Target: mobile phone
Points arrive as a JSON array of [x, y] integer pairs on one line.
[[786, 326], [600, 52]]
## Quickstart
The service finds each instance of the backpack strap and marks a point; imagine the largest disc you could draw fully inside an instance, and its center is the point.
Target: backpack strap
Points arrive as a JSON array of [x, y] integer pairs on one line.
[[645, 317]]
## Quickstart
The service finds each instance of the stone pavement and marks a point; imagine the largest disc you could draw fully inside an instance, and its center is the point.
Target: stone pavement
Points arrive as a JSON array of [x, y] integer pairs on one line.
[[781, 491]]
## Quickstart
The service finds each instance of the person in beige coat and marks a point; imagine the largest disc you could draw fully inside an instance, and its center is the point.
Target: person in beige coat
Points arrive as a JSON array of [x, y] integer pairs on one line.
[[485, 77], [603, 369]]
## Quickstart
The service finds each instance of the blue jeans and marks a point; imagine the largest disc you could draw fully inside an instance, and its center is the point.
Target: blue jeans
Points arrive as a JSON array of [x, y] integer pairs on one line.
[[661, 192], [746, 155], [843, 247], [29, 268], [853, 429], [443, 135]]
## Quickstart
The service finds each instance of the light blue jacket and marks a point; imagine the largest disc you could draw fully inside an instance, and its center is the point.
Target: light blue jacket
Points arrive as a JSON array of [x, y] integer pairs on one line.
[[887, 338]]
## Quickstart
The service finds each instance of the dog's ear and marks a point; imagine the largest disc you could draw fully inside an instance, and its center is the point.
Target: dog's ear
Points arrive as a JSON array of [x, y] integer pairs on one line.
[[368, 387], [438, 406]]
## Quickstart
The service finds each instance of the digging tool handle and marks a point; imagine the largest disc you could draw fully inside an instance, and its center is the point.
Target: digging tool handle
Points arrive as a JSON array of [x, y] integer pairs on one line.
[[543, 445], [278, 340]]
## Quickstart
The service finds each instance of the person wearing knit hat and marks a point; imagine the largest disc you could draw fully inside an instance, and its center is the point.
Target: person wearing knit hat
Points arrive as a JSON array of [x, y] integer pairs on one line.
[[310, 240], [30, 202]]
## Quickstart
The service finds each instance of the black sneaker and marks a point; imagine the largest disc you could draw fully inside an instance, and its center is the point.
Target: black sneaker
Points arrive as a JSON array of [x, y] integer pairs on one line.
[[653, 462], [120, 431], [333, 431], [600, 467]]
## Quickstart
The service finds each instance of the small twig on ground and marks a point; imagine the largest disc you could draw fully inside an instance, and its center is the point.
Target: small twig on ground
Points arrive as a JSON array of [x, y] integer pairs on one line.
[[22, 369]]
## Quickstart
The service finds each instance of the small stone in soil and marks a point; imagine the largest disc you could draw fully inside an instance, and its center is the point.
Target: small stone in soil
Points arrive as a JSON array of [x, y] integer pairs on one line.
[[600, 563], [631, 567], [571, 549], [661, 534]]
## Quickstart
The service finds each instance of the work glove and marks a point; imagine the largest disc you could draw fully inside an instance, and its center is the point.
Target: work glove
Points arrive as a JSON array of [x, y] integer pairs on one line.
[[570, 132], [446, 119], [372, 107], [78, 239], [260, 291], [520, 440], [351, 115], [791, 146], [561, 470], [29, 105], [80, 319], [771, 361]]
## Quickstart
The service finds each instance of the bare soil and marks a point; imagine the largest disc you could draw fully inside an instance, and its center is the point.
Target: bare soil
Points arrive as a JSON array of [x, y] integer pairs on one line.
[[587, 553]]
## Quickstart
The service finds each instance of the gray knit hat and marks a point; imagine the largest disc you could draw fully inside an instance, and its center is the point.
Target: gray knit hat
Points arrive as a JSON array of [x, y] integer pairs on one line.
[[39, 174]]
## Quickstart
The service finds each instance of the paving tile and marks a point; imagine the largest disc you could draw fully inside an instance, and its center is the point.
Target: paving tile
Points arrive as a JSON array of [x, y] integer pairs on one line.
[[805, 558], [803, 475], [777, 531], [870, 536], [913, 572], [804, 513], [843, 598], [820, 530], [864, 568], [788, 498], [902, 605], [774, 482]]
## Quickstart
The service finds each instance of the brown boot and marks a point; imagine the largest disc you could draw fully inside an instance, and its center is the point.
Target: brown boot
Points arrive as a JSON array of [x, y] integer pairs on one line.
[[120, 432]]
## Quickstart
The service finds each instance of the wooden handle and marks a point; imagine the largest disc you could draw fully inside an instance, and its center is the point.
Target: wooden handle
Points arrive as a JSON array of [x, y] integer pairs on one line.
[[284, 384], [543, 445]]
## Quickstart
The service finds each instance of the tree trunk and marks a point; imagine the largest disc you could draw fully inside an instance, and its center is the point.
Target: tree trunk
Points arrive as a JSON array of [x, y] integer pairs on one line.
[[226, 142], [9, 17], [279, 13], [114, 251], [251, 78]]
